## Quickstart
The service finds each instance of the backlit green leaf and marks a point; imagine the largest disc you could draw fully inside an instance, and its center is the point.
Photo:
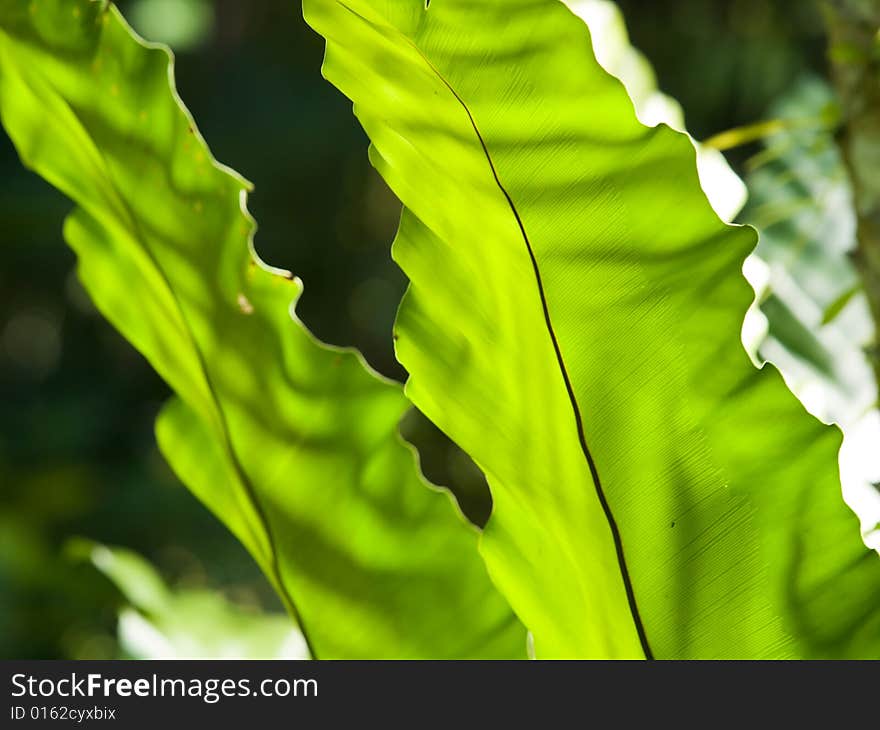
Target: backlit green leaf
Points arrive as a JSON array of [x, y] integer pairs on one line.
[[573, 322], [800, 201]]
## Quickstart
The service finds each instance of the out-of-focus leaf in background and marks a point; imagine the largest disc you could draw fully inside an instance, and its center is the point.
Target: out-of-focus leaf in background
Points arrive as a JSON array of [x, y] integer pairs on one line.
[[294, 445], [156, 622], [818, 325], [184, 25], [563, 257], [801, 203]]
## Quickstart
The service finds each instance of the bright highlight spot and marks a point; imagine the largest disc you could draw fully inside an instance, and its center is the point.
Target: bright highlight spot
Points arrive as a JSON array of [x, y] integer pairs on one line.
[[182, 24]]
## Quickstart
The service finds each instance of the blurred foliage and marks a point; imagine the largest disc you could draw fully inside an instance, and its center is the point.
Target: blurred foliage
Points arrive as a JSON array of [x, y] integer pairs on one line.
[[801, 202], [77, 451], [158, 623], [185, 25]]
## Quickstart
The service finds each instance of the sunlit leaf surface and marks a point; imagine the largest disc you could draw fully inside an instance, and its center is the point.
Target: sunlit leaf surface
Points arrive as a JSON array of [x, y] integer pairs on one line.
[[573, 322]]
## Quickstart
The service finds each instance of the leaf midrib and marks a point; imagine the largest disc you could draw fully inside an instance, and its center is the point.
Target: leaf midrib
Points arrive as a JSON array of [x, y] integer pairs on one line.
[[594, 472]]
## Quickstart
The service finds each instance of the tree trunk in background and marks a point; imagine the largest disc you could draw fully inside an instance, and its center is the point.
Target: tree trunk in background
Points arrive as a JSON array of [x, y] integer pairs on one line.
[[854, 54]]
